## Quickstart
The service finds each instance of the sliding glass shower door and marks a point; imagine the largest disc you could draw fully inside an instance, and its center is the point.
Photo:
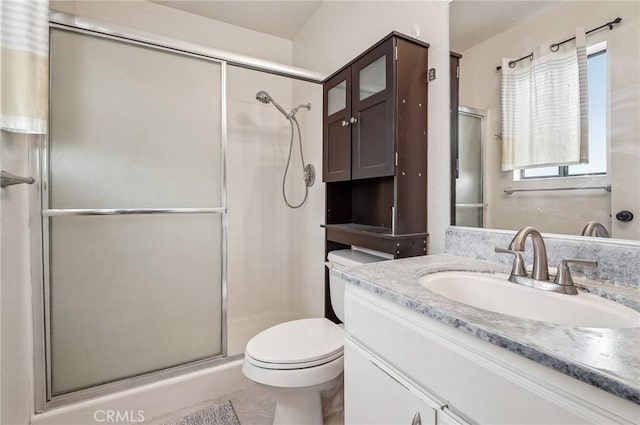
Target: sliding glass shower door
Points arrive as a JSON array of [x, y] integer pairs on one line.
[[469, 183], [133, 211]]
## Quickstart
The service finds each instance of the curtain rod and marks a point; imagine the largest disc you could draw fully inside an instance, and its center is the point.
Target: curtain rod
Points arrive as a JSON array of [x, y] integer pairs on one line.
[[84, 25], [555, 46]]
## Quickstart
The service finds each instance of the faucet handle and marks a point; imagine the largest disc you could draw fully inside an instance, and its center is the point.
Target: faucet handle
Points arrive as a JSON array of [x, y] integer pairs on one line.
[[564, 275], [518, 263]]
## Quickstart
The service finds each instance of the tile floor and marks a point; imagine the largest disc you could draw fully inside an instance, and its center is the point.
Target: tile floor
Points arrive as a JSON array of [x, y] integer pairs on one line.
[[255, 405]]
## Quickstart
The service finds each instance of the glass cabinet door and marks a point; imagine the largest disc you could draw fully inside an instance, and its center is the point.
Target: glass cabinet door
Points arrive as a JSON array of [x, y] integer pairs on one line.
[[372, 128], [337, 115], [337, 98], [373, 78]]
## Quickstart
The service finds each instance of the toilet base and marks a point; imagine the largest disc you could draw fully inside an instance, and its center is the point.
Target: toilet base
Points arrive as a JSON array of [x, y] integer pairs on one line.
[[298, 406], [301, 406]]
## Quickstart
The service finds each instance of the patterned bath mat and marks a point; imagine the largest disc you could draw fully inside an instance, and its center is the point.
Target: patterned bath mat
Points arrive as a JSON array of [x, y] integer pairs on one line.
[[219, 414]]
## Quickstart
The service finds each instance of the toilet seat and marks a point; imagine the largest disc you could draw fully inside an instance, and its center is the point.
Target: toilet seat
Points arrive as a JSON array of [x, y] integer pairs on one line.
[[292, 366], [294, 378], [296, 345]]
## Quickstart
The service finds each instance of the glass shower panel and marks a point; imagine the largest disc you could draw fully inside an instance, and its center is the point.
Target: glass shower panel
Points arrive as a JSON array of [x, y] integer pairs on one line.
[[132, 294], [469, 196], [132, 127]]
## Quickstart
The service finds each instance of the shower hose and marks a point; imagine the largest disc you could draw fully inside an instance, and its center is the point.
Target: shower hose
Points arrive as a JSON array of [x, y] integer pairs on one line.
[[306, 176]]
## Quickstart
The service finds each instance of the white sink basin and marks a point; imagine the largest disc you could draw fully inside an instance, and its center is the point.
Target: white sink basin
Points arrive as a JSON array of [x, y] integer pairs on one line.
[[495, 293]]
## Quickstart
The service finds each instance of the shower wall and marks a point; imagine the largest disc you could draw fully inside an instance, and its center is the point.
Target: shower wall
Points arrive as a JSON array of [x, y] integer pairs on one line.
[[260, 224]]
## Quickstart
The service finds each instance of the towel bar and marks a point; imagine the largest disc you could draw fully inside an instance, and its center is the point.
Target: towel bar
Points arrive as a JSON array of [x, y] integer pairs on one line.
[[510, 190], [8, 179]]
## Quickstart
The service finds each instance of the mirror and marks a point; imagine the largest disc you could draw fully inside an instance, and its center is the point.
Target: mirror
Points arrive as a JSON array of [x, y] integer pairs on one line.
[[562, 198]]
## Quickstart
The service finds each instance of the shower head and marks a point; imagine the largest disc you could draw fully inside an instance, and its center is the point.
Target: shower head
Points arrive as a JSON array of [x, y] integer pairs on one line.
[[264, 97]]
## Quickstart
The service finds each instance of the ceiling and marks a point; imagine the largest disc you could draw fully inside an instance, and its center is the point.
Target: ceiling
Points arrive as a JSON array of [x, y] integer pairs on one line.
[[474, 21], [280, 18], [471, 21]]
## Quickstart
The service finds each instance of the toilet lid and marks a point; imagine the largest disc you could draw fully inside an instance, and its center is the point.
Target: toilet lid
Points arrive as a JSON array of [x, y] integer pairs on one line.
[[298, 341]]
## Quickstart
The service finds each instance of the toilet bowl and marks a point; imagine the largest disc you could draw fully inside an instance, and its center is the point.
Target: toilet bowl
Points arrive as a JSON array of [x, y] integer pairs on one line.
[[301, 358]]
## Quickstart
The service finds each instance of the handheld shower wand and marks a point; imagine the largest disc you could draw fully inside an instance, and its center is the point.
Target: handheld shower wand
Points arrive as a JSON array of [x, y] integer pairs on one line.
[[265, 98], [309, 174]]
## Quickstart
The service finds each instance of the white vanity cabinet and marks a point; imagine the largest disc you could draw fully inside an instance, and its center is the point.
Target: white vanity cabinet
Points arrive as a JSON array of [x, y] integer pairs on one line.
[[377, 396], [399, 362]]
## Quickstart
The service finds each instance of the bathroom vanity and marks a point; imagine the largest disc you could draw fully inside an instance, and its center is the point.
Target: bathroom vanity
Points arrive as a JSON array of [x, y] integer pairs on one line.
[[413, 356]]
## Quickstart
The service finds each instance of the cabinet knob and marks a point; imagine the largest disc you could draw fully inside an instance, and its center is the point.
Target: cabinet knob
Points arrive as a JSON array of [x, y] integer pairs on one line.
[[344, 123], [353, 120]]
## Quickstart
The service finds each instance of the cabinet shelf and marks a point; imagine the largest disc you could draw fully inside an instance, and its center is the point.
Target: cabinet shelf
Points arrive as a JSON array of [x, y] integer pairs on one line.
[[377, 238]]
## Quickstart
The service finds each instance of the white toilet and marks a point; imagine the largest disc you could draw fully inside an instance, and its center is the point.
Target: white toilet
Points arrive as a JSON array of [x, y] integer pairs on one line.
[[303, 357]]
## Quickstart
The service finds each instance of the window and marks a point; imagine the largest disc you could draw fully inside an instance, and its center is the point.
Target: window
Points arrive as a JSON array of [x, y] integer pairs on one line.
[[597, 89]]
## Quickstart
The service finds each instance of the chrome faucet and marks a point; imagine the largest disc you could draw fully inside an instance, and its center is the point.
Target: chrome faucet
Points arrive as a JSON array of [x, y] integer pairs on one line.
[[540, 266], [540, 275], [593, 228]]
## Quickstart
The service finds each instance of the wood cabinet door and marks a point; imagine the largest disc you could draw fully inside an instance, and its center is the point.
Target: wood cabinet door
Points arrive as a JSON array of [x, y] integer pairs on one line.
[[372, 123], [336, 164]]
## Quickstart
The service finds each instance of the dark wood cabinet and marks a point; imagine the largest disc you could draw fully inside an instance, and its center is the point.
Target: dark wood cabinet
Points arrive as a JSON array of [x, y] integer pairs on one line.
[[375, 144], [375, 151], [359, 123]]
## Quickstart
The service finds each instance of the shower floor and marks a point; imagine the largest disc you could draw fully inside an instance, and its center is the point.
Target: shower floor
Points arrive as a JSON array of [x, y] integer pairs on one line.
[[255, 405]]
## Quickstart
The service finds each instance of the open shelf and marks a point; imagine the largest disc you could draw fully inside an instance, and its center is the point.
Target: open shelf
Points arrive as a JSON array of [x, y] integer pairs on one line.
[[377, 238], [360, 228]]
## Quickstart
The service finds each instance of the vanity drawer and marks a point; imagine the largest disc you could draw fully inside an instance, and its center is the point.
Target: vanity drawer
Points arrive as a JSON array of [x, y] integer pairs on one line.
[[445, 362]]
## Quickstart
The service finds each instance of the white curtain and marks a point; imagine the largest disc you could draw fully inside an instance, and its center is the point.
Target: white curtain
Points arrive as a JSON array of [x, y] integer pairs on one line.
[[24, 65], [545, 108]]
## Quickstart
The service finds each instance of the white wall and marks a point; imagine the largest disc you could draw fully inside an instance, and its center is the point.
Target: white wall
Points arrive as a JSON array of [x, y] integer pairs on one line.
[[260, 225], [562, 211], [15, 285], [307, 242]]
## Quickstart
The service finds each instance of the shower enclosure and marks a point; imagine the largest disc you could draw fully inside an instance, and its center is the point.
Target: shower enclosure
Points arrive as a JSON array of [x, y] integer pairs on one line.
[[131, 224], [133, 212]]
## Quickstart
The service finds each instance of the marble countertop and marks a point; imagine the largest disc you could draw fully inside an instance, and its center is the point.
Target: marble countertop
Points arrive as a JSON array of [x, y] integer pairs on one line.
[[606, 358]]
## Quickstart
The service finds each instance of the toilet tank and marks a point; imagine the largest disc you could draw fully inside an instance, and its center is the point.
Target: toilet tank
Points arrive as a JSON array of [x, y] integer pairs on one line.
[[343, 259]]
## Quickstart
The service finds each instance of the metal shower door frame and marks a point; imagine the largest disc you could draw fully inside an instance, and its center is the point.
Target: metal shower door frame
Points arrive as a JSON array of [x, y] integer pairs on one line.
[[40, 219], [482, 116]]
